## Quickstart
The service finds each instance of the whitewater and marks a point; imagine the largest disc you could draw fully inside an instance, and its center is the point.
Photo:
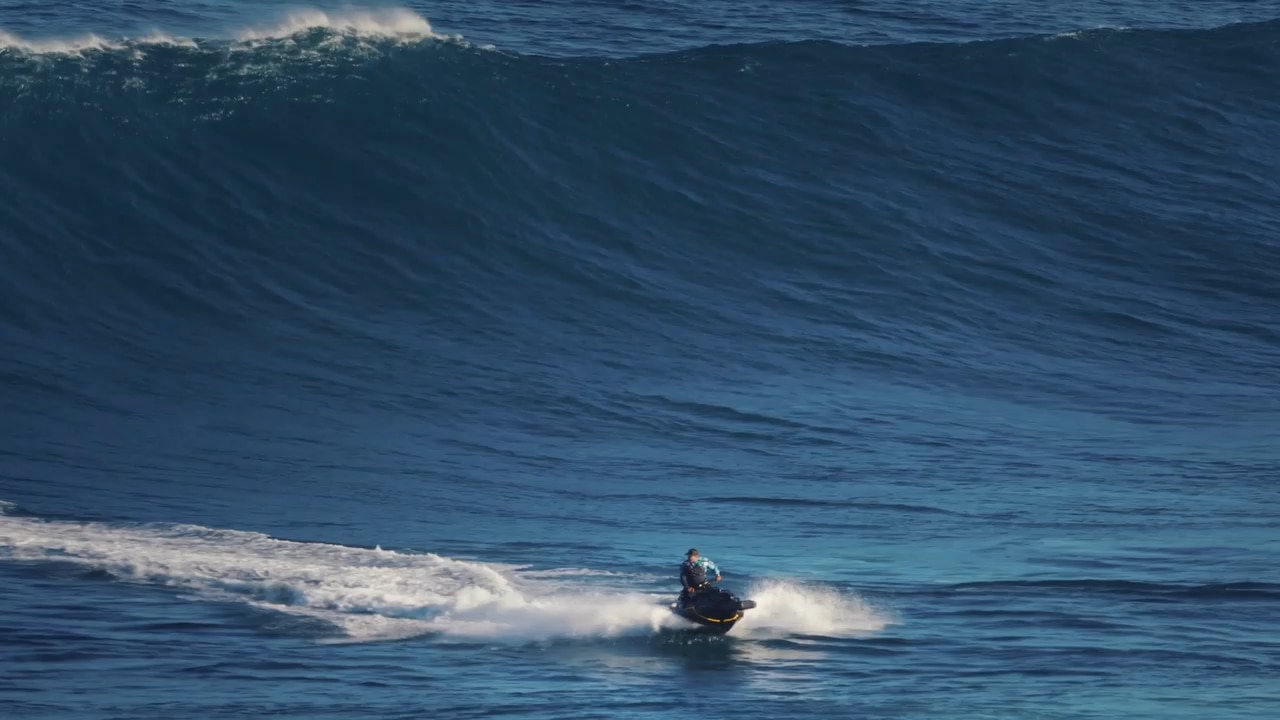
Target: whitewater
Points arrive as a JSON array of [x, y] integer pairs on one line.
[[375, 594], [397, 23]]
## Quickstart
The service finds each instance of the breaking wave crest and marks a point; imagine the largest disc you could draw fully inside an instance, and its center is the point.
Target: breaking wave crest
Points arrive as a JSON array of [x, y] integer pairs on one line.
[[392, 22], [398, 24]]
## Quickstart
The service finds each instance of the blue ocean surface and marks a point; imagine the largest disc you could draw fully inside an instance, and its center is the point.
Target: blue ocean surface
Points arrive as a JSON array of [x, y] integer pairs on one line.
[[375, 361]]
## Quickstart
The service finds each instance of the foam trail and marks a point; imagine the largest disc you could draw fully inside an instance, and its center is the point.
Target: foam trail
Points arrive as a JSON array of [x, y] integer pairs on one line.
[[368, 594], [375, 594]]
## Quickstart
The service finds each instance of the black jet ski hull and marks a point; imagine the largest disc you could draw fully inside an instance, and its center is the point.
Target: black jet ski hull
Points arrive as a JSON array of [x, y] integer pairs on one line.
[[715, 609]]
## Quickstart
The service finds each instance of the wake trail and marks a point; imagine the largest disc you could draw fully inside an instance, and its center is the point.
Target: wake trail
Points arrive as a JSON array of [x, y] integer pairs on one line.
[[375, 594]]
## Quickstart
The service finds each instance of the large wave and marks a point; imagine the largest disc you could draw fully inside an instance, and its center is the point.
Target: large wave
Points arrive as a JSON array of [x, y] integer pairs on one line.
[[914, 211]]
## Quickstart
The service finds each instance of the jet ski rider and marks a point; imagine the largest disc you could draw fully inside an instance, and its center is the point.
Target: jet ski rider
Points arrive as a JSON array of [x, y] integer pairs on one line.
[[693, 574]]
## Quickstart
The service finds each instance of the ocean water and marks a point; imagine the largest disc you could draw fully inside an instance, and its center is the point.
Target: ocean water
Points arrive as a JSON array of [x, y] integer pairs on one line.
[[378, 361]]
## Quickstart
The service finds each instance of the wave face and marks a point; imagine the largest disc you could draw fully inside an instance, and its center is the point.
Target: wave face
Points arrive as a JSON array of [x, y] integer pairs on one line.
[[1082, 222]]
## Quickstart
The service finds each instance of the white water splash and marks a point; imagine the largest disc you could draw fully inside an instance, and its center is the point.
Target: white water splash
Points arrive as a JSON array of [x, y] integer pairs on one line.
[[367, 594], [788, 608], [375, 594]]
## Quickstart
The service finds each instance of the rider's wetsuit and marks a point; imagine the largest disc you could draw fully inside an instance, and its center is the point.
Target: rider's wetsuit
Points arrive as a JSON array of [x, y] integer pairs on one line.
[[693, 575]]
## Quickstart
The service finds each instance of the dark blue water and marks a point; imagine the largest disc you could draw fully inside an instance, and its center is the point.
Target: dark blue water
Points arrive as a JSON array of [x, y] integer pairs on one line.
[[384, 363]]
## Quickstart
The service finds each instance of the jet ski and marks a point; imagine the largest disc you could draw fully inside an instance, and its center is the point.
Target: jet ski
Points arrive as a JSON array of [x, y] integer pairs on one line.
[[714, 608]]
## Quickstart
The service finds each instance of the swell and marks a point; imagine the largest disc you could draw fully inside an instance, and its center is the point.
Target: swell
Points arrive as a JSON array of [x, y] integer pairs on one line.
[[1243, 591], [870, 207], [817, 503]]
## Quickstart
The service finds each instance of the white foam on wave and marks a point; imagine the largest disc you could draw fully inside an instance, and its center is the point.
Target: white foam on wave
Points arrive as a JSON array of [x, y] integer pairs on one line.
[[68, 46], [375, 594], [381, 23], [81, 44], [159, 38], [369, 24]]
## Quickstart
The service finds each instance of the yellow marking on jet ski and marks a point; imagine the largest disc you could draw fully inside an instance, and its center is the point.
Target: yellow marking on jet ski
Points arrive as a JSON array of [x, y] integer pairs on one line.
[[704, 617]]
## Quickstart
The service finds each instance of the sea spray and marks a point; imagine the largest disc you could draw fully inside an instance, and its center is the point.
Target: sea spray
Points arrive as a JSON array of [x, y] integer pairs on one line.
[[376, 594], [789, 607]]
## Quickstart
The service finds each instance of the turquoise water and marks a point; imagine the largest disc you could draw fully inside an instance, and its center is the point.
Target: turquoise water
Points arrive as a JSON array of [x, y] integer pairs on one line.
[[384, 363]]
